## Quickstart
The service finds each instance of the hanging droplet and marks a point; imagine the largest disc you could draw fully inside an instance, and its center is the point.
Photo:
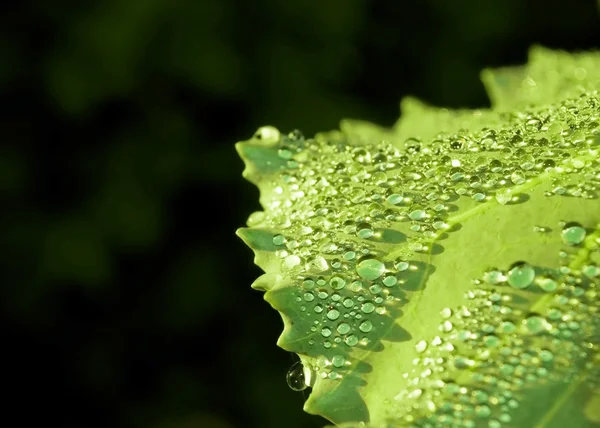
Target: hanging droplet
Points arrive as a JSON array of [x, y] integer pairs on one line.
[[298, 377]]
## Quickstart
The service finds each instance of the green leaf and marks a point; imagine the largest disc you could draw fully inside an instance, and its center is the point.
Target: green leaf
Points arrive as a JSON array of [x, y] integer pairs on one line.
[[444, 272]]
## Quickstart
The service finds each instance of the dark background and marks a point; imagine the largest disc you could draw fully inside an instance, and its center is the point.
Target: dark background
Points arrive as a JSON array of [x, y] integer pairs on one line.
[[125, 296]]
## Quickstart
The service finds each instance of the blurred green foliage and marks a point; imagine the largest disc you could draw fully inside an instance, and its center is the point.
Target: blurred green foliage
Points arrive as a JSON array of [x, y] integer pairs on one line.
[[125, 297]]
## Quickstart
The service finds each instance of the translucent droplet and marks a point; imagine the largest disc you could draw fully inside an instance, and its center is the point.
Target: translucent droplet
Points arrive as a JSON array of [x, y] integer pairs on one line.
[[591, 271], [279, 240], [309, 297], [343, 328], [421, 346], [338, 361], [348, 302], [291, 262], [494, 277], [521, 275], [517, 177], [337, 283], [394, 198], [548, 284], [535, 324], [267, 134], [351, 340], [573, 234], [367, 307], [417, 215], [364, 231], [318, 264], [390, 280], [325, 332], [370, 269], [365, 326], [333, 314], [446, 313], [503, 196], [295, 377]]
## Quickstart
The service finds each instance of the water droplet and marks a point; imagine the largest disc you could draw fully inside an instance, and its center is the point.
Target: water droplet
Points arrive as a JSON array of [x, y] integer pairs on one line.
[[338, 361], [421, 346], [348, 302], [333, 314], [591, 271], [364, 230], [337, 283], [278, 240], [521, 275], [503, 196], [417, 215], [370, 269], [351, 340], [317, 265], [309, 297], [318, 308], [494, 277], [267, 134], [535, 324], [446, 313], [573, 234], [546, 355], [325, 332], [547, 284], [394, 198], [517, 177], [365, 326], [296, 378], [367, 307], [390, 280], [291, 262], [343, 328]]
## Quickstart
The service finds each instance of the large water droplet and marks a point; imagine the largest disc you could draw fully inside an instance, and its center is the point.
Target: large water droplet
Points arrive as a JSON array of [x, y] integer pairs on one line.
[[521, 275], [296, 378], [370, 269], [573, 234]]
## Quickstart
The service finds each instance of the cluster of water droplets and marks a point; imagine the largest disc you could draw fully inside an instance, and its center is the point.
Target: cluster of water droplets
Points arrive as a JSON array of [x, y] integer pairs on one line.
[[499, 345], [339, 205]]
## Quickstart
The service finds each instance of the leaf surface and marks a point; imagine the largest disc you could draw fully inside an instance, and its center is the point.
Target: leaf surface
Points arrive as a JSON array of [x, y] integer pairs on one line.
[[444, 272]]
